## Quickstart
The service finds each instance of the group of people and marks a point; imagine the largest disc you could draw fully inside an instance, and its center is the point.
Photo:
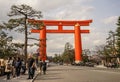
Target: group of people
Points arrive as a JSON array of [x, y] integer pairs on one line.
[[16, 66]]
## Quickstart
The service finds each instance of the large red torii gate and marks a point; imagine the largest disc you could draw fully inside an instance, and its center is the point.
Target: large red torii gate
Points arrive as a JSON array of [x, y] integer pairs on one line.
[[60, 23]]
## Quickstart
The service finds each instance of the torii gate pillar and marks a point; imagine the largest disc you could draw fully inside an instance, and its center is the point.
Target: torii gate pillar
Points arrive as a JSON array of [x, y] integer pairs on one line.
[[43, 44], [78, 44]]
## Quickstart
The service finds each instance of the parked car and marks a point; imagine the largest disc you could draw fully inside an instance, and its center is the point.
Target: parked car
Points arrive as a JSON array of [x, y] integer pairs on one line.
[[111, 65], [89, 64], [60, 63], [78, 64]]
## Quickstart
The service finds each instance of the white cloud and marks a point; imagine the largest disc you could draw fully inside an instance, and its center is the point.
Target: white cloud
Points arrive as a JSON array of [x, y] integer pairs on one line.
[[96, 42], [55, 9], [86, 38], [56, 42], [71, 11], [32, 49], [54, 4], [109, 20], [17, 41]]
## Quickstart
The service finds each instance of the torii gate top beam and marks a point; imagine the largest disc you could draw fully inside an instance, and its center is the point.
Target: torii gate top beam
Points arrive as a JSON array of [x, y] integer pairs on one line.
[[60, 22]]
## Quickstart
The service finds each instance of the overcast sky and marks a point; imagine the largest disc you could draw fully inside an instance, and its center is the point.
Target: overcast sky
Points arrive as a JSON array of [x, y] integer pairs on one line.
[[104, 14]]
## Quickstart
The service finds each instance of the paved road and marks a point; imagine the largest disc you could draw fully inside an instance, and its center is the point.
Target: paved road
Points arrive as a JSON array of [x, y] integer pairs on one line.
[[79, 74]]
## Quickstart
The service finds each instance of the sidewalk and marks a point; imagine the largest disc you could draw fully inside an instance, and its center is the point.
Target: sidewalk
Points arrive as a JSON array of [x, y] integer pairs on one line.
[[100, 66], [22, 78]]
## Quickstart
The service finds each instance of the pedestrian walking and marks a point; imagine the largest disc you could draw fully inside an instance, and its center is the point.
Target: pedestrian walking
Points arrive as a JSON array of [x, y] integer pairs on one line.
[[14, 67], [31, 67], [23, 67], [44, 66], [18, 66], [2, 67], [40, 64], [8, 70]]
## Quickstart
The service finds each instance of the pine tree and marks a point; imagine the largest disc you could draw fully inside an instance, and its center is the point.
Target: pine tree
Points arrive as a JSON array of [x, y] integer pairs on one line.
[[22, 13], [110, 46], [118, 37]]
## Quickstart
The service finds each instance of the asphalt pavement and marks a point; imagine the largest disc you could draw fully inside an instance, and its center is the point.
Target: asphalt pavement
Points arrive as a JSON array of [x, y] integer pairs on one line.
[[79, 74]]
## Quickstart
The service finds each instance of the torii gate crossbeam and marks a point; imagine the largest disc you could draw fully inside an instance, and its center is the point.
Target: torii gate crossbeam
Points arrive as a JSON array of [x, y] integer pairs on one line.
[[77, 33]]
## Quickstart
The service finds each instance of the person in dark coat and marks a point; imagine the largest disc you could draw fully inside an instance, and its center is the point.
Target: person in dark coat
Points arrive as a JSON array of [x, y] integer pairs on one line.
[[44, 66], [31, 67], [18, 64]]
